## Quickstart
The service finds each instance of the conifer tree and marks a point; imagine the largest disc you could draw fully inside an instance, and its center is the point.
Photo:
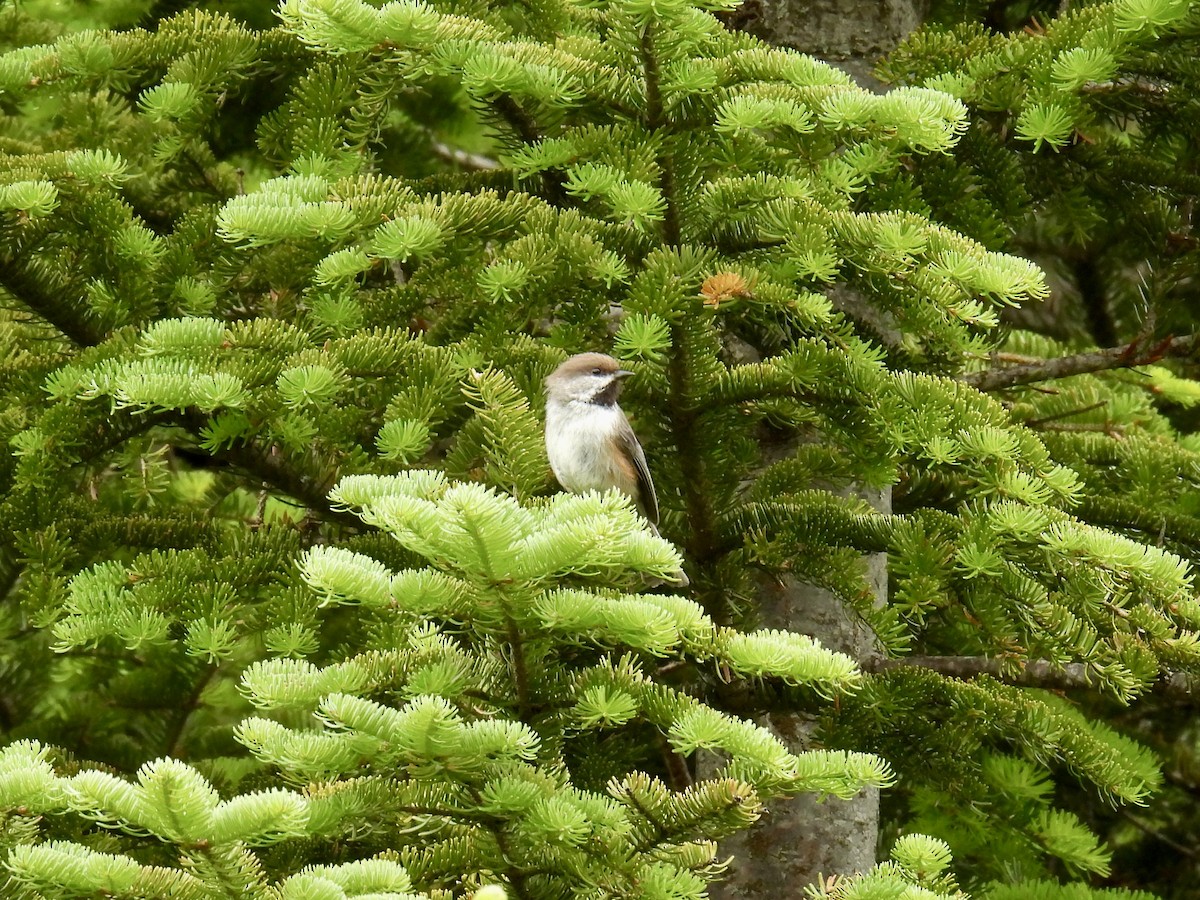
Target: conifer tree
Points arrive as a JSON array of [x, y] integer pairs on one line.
[[292, 608]]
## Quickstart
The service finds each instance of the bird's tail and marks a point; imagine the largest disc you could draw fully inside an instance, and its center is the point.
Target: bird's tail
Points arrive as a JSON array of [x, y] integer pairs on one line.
[[680, 578]]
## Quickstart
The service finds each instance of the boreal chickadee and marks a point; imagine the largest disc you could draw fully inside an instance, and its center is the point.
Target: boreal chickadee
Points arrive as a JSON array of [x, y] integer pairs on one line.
[[588, 439]]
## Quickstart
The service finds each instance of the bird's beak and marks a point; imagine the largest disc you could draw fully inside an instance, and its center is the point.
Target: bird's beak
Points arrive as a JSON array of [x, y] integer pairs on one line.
[[622, 373]]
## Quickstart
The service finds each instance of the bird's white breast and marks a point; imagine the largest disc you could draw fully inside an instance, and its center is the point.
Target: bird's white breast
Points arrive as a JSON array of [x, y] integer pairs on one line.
[[579, 442]]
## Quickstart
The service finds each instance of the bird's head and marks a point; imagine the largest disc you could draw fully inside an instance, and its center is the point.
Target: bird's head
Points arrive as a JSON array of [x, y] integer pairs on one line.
[[586, 378]]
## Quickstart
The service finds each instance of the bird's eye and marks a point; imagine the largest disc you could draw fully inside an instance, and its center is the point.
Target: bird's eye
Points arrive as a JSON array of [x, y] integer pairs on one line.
[[597, 371]]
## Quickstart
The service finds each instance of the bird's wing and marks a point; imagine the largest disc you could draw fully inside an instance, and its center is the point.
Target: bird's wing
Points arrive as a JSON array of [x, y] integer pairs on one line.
[[628, 441]]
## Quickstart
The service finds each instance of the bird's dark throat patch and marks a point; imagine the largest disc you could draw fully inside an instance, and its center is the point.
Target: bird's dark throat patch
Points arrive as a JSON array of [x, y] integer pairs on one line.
[[608, 395]]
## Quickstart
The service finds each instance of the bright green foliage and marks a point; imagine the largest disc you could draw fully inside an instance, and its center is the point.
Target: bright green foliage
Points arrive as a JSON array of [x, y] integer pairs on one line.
[[428, 731], [277, 545], [919, 869]]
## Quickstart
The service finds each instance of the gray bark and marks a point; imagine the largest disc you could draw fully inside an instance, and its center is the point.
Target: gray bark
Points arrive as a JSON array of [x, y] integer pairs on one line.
[[851, 35], [800, 839]]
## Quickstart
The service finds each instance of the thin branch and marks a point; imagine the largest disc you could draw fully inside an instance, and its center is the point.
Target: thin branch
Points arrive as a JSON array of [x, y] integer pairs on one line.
[[517, 875], [1137, 85], [1108, 428], [278, 472], [520, 674], [682, 413], [1135, 353], [1158, 835], [527, 130], [679, 776], [474, 161], [174, 745], [1064, 415], [684, 422], [520, 121], [659, 828]]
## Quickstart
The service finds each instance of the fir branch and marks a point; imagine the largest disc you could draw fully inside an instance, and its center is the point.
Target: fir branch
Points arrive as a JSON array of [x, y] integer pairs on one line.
[[516, 873], [1037, 673], [522, 123], [673, 232], [1116, 512], [119, 426], [283, 473], [520, 675], [761, 696], [818, 517], [29, 289], [1136, 353], [701, 541], [527, 130], [173, 743], [454, 815], [1152, 173], [660, 833]]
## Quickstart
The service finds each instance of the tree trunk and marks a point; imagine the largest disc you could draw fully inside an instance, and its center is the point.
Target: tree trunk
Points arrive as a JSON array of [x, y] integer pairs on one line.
[[850, 35], [798, 840], [803, 838]]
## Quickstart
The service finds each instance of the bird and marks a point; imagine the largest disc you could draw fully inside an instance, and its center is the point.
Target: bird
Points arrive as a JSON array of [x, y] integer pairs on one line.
[[588, 439]]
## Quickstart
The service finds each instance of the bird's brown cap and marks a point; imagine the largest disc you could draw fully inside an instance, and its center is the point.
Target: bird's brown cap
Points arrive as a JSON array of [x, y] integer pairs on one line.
[[586, 364]]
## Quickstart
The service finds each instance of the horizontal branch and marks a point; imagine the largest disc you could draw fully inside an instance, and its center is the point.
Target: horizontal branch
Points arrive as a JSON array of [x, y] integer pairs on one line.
[[1135, 353], [1037, 673], [759, 696], [808, 517], [29, 289], [283, 472], [463, 158], [1155, 523]]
